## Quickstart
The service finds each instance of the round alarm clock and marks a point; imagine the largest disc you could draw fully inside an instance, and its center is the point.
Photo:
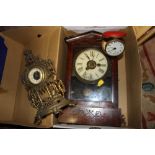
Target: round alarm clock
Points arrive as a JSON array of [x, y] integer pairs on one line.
[[113, 43], [114, 47]]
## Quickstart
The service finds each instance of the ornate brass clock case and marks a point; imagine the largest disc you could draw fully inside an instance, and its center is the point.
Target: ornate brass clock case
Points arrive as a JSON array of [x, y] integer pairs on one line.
[[45, 92]]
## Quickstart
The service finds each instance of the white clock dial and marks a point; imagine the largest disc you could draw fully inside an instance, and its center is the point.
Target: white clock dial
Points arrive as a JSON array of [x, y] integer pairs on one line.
[[114, 47], [91, 65], [35, 76]]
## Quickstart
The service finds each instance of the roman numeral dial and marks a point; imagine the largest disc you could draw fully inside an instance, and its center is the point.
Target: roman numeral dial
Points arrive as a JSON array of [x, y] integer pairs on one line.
[[90, 65]]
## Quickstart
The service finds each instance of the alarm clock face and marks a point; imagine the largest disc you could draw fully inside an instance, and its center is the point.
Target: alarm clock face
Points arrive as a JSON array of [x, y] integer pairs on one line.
[[90, 65], [36, 76], [114, 47]]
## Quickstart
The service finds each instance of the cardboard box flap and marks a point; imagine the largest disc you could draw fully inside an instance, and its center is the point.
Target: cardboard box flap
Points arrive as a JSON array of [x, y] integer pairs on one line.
[[26, 35], [10, 78], [133, 75]]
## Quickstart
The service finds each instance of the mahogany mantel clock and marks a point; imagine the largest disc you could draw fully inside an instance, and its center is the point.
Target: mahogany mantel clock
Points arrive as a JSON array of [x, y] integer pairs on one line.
[[91, 82]]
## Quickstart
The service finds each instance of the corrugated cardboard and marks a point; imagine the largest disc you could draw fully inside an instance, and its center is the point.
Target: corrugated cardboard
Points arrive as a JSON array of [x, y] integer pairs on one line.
[[48, 42]]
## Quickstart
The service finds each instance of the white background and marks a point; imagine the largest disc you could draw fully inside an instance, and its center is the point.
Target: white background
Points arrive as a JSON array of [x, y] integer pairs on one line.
[[77, 13]]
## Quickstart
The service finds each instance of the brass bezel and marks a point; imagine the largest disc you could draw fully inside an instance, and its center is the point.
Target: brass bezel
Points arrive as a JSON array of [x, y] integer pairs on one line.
[[42, 74]]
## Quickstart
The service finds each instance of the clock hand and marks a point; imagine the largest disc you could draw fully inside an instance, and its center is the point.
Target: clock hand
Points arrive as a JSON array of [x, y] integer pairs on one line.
[[87, 56], [114, 49], [87, 68], [98, 65], [91, 65], [92, 54], [93, 57]]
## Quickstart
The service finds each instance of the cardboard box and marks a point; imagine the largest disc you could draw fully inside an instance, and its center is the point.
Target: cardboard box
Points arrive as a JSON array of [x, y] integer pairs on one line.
[[14, 105]]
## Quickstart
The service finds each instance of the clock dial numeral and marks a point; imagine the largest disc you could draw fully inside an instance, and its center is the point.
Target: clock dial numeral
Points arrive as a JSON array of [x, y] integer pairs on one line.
[[84, 75], [103, 65], [90, 77], [87, 56], [101, 59], [96, 74], [101, 70], [97, 55], [79, 63], [92, 54], [80, 69]]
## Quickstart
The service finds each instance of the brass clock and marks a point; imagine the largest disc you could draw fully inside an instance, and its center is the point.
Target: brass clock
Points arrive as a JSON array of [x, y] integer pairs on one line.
[[91, 82], [45, 91], [36, 75]]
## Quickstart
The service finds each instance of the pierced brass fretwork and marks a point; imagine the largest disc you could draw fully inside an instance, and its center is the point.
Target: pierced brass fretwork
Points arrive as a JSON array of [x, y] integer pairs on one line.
[[45, 91]]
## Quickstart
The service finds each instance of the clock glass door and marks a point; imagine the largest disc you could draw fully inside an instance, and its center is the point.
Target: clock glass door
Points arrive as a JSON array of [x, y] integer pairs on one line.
[[91, 76]]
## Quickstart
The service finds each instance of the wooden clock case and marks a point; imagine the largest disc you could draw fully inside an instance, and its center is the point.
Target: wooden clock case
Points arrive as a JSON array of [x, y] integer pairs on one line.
[[103, 113]]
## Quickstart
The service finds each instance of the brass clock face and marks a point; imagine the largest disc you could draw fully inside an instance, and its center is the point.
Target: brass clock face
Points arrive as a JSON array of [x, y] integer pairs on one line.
[[36, 76], [90, 65]]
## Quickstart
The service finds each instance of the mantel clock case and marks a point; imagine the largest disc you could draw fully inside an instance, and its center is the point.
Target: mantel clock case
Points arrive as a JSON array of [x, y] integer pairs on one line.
[[91, 82]]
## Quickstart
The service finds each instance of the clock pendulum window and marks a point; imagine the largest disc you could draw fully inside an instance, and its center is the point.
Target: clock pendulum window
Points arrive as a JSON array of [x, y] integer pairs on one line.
[[92, 81]]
